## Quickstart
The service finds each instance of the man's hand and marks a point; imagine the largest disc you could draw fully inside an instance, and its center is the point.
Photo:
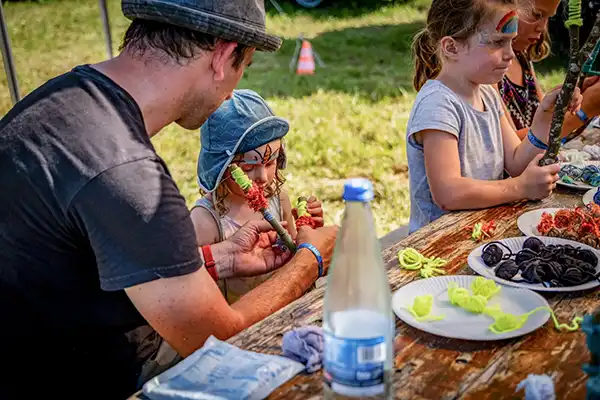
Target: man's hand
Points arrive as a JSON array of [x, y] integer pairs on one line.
[[322, 238], [249, 252], [187, 309]]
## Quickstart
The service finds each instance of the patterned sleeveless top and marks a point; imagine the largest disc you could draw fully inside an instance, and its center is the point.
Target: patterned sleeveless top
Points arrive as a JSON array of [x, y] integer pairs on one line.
[[521, 101], [234, 288]]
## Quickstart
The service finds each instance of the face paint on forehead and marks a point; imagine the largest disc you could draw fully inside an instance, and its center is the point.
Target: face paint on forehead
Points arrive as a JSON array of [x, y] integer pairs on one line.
[[267, 155], [259, 158], [509, 24]]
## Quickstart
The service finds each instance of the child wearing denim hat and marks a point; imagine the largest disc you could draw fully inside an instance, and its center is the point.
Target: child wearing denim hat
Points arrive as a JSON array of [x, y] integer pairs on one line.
[[243, 131]]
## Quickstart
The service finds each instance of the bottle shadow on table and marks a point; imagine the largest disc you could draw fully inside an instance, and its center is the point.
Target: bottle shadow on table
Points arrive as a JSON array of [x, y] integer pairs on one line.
[[463, 346]]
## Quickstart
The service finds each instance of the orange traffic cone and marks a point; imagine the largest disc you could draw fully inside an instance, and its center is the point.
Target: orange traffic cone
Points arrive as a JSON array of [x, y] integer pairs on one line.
[[306, 61]]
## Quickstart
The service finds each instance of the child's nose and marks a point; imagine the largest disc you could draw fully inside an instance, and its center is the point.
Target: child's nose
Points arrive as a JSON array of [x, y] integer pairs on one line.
[[541, 26], [510, 54], [260, 175]]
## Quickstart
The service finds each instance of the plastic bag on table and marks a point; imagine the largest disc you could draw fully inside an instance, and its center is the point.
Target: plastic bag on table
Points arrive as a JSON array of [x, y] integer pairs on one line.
[[219, 370]]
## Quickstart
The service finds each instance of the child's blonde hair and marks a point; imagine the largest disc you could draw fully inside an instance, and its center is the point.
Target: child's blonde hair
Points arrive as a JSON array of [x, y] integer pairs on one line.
[[541, 49], [459, 19]]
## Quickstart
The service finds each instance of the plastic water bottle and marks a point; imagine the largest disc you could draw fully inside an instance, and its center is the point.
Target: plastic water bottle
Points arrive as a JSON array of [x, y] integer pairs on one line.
[[358, 321]]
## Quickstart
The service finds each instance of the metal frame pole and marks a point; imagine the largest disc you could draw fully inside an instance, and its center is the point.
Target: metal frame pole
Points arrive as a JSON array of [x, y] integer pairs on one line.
[[7, 58], [106, 25]]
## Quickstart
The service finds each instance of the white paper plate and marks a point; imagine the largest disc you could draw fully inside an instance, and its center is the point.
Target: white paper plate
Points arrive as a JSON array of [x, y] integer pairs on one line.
[[588, 197], [516, 244], [528, 222], [578, 184], [461, 324]]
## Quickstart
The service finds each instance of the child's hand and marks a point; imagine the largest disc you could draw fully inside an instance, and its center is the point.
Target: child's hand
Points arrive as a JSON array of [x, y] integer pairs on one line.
[[549, 101], [315, 209], [538, 182]]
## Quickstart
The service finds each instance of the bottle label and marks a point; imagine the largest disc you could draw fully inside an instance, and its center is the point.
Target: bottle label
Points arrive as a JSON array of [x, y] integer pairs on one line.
[[355, 367]]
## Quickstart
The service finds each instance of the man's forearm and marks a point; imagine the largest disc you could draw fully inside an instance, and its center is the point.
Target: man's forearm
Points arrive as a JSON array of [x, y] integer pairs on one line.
[[187, 334], [286, 285]]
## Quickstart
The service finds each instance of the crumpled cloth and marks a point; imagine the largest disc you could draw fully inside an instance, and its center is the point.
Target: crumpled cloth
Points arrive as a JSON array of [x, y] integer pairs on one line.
[[575, 157], [305, 345], [593, 150], [537, 387]]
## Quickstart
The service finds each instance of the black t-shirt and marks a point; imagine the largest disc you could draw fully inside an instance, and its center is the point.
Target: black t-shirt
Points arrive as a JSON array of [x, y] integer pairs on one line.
[[87, 208]]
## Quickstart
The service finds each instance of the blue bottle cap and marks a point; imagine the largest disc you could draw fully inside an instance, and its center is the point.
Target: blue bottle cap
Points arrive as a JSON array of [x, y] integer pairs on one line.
[[358, 189]]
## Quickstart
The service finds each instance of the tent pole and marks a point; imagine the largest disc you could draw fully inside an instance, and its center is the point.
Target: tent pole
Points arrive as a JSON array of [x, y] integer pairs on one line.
[[106, 26], [7, 57]]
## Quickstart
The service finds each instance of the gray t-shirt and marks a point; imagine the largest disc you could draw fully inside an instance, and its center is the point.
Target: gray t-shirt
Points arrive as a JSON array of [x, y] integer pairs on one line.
[[479, 142]]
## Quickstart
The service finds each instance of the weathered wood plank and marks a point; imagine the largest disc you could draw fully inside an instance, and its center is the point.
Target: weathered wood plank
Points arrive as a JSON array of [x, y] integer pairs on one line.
[[545, 351], [428, 366]]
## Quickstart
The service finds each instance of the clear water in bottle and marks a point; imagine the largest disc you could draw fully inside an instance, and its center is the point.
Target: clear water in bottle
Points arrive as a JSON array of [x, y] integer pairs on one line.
[[357, 318]]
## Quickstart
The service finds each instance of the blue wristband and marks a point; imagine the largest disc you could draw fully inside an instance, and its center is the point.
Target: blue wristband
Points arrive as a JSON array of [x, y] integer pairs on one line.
[[582, 115], [535, 141], [314, 250]]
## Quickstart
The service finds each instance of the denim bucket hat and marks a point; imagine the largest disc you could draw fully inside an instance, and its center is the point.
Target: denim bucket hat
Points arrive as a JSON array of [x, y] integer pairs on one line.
[[242, 123], [241, 21]]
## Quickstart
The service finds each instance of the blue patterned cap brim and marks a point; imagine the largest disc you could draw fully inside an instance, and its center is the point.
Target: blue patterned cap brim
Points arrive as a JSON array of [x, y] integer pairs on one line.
[[212, 165]]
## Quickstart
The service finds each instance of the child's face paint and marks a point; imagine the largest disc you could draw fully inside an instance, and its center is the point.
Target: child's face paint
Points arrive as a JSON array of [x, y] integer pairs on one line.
[[259, 164], [488, 53], [262, 155], [509, 24]]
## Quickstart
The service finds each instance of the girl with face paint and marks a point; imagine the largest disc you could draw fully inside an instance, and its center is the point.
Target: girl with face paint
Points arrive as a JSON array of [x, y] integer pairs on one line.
[[520, 89], [459, 140], [245, 132]]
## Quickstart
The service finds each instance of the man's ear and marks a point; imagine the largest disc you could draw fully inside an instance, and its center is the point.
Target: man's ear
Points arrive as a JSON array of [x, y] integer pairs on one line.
[[221, 58], [450, 47]]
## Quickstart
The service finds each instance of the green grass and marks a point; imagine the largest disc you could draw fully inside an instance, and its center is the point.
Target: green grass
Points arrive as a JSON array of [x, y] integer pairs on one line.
[[347, 120]]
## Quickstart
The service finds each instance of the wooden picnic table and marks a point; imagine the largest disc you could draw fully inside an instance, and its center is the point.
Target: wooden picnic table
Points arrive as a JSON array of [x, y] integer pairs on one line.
[[433, 367]]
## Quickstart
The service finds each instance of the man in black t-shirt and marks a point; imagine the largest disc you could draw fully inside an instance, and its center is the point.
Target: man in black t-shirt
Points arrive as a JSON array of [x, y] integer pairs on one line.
[[96, 242]]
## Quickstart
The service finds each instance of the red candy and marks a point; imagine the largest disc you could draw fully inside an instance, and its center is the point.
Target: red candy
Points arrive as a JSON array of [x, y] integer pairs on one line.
[[546, 223], [489, 228], [586, 228], [305, 221], [256, 199], [562, 219], [575, 224]]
